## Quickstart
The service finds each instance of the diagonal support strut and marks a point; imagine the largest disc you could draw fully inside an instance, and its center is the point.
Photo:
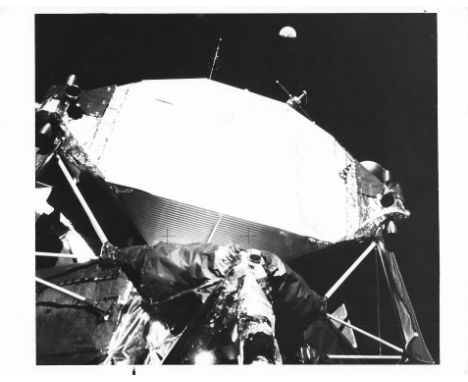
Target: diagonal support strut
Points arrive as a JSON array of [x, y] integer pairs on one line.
[[53, 254], [367, 334], [350, 270], [102, 236], [370, 357], [76, 296]]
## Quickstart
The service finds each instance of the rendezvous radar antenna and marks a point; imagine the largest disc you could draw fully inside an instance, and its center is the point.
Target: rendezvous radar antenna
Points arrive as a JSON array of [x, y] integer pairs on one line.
[[215, 58], [295, 101]]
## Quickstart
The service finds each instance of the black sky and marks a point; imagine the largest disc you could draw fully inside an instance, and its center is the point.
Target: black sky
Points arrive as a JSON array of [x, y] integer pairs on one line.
[[371, 81]]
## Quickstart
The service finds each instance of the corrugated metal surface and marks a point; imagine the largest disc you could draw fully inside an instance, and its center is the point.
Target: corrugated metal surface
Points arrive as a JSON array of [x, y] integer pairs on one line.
[[162, 219]]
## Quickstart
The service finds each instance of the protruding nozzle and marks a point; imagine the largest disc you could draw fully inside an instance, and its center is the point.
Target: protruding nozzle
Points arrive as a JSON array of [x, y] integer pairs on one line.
[[71, 80], [390, 235], [391, 228], [386, 176], [46, 129], [72, 90], [45, 136]]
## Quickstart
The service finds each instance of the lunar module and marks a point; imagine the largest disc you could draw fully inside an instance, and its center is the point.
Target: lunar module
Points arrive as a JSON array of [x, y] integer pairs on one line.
[[186, 221]]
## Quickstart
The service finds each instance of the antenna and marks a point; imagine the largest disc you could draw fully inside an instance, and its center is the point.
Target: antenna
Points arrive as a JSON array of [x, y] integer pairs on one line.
[[215, 57], [295, 101], [284, 89]]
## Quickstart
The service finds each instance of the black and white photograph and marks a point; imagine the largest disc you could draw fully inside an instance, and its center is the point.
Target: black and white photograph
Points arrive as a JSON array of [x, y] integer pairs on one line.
[[236, 188], [223, 187]]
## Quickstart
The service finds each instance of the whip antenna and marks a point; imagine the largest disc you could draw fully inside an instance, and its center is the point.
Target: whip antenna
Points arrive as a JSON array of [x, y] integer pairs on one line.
[[284, 89], [215, 57]]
